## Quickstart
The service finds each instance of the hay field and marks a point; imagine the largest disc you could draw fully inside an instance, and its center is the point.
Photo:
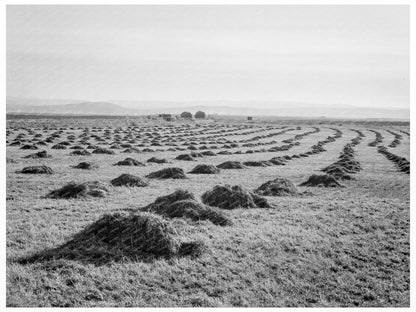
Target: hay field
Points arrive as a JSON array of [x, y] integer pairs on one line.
[[110, 245]]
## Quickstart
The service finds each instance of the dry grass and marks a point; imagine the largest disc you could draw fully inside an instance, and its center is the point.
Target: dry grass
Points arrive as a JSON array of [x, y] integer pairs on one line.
[[337, 247]]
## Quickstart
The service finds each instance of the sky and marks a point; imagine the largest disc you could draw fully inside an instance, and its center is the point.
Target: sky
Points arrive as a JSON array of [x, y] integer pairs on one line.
[[351, 55]]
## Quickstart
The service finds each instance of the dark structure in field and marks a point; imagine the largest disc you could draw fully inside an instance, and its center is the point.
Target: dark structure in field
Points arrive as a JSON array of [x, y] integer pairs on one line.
[[200, 115], [231, 197]]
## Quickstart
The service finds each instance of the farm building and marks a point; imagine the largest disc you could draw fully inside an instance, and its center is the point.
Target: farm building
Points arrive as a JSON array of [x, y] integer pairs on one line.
[[249, 118]]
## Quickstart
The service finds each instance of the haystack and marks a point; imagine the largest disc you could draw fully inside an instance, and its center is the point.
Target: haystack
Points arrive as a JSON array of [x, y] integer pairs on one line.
[[129, 180], [78, 190], [101, 150], [262, 163], [86, 165], [277, 187], [231, 197], [182, 204], [231, 165], [80, 153], [168, 173], [337, 172], [208, 153], [205, 169], [186, 157], [129, 162], [323, 180], [58, 146], [37, 170], [42, 154], [30, 147], [157, 160], [119, 237]]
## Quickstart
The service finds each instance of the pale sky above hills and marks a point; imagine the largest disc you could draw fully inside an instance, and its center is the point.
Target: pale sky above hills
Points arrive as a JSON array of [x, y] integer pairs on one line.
[[357, 55]]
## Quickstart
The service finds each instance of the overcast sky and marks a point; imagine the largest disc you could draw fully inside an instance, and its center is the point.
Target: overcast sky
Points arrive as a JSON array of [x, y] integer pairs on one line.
[[357, 55]]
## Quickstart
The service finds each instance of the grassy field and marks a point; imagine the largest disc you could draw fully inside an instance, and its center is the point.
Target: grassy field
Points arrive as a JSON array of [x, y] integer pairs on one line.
[[328, 247]]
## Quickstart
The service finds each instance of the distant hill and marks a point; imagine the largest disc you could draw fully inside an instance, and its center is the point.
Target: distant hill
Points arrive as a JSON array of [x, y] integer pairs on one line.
[[280, 109]]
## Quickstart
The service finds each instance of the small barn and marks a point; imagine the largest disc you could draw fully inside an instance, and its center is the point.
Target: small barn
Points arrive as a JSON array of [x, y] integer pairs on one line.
[[249, 118]]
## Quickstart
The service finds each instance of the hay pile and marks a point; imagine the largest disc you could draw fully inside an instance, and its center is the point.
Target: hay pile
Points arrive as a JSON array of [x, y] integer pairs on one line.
[[129, 162], [42, 154], [231, 197], [231, 165], [80, 153], [208, 153], [157, 160], [261, 163], [101, 150], [118, 237], [186, 157], [168, 173], [279, 161], [205, 169], [58, 146], [277, 187], [78, 190], [129, 180], [338, 172], [30, 147], [324, 180], [86, 165], [37, 170], [402, 163], [182, 204]]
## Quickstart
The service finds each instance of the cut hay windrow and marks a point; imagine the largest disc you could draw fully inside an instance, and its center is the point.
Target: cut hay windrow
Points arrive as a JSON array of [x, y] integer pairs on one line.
[[402, 163], [232, 197], [129, 180], [182, 204], [79, 190]]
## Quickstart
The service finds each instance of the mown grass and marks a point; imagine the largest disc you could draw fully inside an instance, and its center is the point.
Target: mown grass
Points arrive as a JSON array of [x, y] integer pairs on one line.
[[334, 247]]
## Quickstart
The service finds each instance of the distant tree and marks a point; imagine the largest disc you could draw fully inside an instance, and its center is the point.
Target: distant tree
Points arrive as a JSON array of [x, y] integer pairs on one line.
[[200, 114], [187, 115]]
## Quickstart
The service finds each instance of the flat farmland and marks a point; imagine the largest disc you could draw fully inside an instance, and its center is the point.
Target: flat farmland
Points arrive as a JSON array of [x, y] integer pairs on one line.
[[310, 246]]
